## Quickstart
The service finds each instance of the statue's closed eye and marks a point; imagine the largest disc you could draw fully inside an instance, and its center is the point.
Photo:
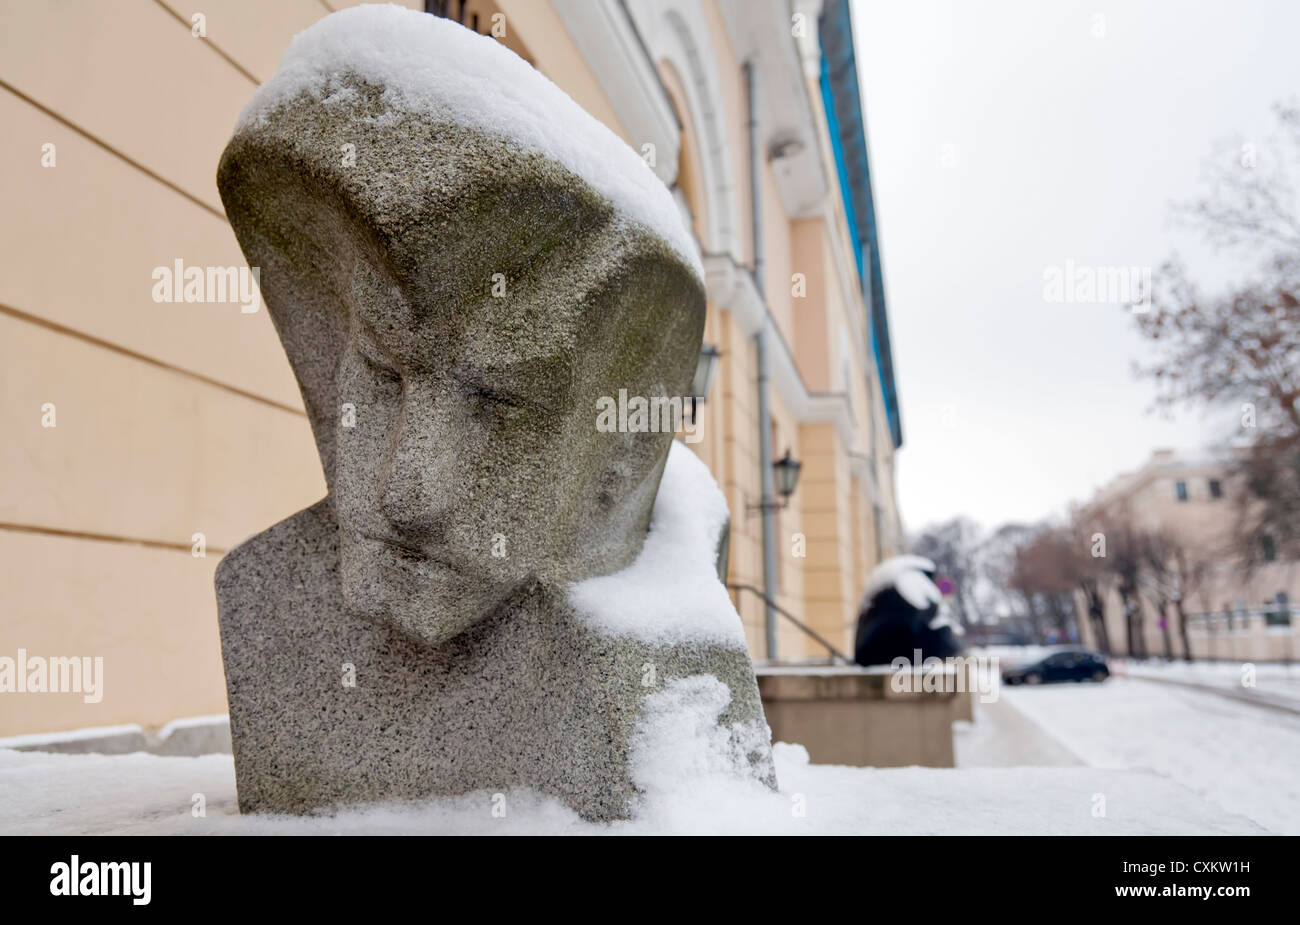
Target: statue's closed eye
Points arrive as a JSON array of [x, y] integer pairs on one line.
[[480, 392], [381, 369]]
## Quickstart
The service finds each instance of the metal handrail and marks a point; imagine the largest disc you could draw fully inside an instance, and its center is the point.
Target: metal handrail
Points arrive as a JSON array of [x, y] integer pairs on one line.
[[835, 653]]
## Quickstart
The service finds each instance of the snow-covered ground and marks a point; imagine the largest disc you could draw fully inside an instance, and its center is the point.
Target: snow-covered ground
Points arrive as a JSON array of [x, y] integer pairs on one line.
[[1269, 683], [1126, 757], [1241, 757], [1265, 674], [43, 793]]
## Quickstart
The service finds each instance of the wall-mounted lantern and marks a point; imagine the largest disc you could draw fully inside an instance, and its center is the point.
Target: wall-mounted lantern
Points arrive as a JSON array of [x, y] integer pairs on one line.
[[785, 473], [787, 476], [705, 367]]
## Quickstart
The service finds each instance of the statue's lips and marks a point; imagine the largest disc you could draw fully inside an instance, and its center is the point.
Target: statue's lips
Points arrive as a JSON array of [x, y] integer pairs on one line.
[[407, 550]]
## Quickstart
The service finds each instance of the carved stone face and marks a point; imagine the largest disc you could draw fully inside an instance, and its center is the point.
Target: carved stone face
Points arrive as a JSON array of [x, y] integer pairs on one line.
[[471, 463], [452, 341], [423, 488]]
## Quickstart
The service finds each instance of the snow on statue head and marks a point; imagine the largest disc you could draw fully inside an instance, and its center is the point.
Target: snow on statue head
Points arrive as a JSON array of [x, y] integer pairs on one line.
[[461, 264]]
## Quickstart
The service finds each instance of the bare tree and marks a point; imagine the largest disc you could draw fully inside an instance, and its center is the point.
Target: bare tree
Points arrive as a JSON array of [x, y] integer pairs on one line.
[[1242, 346], [1042, 573], [1160, 578], [997, 572], [1252, 202], [1265, 484], [1082, 550], [953, 547], [1191, 573], [1236, 347], [1121, 559], [1065, 559]]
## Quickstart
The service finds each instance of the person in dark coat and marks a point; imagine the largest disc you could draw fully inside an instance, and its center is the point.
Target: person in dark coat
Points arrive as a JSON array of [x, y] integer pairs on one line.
[[900, 614]]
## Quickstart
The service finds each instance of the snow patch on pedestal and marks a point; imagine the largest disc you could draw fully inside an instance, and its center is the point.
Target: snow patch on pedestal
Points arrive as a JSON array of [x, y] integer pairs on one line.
[[690, 768], [437, 67], [679, 740], [671, 594]]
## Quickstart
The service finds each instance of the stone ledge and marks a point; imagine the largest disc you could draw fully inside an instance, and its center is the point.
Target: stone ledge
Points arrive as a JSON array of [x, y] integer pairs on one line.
[[844, 682], [849, 715], [200, 735]]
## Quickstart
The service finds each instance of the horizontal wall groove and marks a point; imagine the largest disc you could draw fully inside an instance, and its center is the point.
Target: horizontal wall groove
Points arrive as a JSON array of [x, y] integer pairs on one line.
[[211, 44], [99, 142], [144, 358], [105, 538]]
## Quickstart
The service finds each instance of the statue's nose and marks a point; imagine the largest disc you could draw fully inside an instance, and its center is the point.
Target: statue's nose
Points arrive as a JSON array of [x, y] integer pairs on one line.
[[416, 479]]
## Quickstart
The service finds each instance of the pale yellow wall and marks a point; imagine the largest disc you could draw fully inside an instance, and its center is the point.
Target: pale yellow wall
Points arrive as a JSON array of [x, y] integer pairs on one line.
[[731, 91], [737, 377], [789, 522], [777, 256], [255, 50], [828, 513], [141, 452], [80, 240], [811, 338], [143, 609], [170, 419]]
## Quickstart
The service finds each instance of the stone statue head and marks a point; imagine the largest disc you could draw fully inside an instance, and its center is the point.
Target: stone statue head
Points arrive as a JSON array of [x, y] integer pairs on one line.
[[455, 298]]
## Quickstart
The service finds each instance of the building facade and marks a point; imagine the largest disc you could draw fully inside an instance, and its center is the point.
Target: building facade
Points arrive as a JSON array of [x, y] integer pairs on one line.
[[1233, 613], [145, 437]]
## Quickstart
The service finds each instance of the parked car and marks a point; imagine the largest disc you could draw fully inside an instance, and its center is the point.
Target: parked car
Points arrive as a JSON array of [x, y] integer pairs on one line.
[[1060, 665]]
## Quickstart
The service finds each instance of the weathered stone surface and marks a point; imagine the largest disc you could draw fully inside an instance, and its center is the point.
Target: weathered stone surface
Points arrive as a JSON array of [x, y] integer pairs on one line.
[[468, 485]]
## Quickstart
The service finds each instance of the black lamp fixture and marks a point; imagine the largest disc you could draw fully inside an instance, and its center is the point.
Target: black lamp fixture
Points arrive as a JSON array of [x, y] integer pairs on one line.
[[786, 476], [787, 145], [705, 367]]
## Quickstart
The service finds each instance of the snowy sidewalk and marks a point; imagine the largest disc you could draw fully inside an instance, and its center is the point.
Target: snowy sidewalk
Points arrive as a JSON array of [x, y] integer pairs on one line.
[[1273, 686], [1234, 755], [43, 793], [1003, 737]]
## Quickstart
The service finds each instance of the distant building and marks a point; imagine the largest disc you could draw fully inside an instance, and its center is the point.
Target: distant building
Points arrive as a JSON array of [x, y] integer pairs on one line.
[[1233, 613]]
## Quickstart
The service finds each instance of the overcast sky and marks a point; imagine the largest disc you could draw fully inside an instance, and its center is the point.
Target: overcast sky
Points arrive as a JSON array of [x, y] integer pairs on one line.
[[1005, 139]]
